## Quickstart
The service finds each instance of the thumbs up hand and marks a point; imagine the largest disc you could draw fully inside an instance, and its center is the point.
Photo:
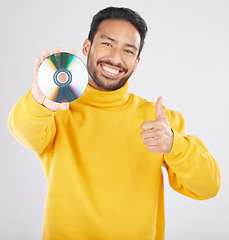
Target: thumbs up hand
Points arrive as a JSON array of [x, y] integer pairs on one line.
[[157, 134]]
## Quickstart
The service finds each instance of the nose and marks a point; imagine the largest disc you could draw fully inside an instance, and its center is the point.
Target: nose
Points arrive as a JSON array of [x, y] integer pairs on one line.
[[115, 56]]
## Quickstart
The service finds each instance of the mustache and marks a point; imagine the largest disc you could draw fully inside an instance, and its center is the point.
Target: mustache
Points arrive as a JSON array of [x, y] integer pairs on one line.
[[124, 69]]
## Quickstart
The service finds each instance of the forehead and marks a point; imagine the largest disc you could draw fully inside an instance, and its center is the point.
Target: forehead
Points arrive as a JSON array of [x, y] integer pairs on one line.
[[120, 30]]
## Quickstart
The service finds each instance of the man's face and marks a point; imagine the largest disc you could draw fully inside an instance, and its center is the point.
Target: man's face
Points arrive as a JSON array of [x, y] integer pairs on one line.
[[112, 57]]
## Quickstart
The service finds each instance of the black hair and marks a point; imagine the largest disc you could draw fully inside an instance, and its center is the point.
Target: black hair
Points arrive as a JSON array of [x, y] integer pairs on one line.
[[123, 14]]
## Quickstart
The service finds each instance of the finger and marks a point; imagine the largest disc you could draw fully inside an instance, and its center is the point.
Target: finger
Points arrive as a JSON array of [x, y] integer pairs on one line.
[[72, 51], [37, 94], [153, 149], [147, 134], [37, 63], [150, 142], [160, 114], [56, 51], [54, 106], [64, 106], [45, 54], [148, 125]]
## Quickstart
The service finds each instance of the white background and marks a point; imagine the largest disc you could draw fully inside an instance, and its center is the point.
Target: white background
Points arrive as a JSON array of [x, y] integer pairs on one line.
[[185, 59]]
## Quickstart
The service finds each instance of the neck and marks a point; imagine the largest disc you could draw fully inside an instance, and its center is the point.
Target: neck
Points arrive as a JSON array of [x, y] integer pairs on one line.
[[105, 99]]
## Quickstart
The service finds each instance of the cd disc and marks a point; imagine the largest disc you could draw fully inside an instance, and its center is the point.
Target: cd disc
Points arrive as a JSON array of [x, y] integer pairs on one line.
[[62, 77]]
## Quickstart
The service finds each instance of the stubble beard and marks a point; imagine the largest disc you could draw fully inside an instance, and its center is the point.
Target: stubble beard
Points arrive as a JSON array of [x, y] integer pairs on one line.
[[111, 84]]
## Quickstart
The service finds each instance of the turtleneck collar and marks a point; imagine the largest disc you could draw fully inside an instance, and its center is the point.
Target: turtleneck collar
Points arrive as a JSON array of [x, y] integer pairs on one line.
[[105, 99]]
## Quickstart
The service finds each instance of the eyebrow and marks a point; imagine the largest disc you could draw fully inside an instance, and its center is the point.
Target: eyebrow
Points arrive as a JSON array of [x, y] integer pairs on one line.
[[113, 40]]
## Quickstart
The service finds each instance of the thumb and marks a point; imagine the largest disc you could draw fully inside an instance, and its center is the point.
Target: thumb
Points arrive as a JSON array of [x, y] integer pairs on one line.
[[64, 106], [160, 114]]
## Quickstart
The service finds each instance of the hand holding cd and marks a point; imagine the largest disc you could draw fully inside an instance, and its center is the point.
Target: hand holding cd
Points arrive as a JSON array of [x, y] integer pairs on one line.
[[37, 94], [61, 78]]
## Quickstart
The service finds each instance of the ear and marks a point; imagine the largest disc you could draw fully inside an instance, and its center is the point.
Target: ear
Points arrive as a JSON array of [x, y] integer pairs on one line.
[[86, 47], [136, 63]]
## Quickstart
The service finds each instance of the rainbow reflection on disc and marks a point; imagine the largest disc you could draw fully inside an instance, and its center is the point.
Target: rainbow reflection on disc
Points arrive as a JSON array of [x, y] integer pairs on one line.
[[62, 77]]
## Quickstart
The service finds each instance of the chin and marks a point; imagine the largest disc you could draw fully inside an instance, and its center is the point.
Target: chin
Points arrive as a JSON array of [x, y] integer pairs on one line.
[[105, 83], [110, 86]]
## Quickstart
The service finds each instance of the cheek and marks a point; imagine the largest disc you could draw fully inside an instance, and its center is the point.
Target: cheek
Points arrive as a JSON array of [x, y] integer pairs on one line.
[[95, 53], [91, 59], [132, 65]]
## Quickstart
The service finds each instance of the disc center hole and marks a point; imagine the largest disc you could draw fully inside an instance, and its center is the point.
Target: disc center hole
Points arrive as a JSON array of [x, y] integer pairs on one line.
[[62, 77]]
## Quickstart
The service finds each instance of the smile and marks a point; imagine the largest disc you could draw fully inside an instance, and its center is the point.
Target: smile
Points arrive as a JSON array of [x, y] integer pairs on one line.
[[110, 70]]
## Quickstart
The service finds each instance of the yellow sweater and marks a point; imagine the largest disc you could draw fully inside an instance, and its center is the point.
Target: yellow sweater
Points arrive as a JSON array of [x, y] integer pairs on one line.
[[102, 182]]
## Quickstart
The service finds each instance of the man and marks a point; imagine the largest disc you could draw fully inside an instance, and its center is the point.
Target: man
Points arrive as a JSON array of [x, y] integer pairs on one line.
[[103, 155]]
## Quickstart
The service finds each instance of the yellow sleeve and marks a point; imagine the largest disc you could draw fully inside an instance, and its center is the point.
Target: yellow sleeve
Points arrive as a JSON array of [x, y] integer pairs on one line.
[[32, 124], [192, 170]]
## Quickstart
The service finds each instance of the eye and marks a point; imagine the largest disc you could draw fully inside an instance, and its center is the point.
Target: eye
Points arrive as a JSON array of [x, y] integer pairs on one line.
[[107, 44], [129, 51]]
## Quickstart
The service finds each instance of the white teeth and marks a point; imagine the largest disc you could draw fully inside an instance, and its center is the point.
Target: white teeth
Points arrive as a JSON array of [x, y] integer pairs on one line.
[[110, 70]]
